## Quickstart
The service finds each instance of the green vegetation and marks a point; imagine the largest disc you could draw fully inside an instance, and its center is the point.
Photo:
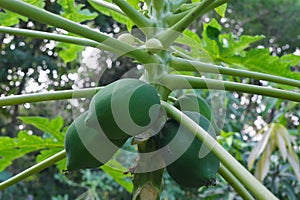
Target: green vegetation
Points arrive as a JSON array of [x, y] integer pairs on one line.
[[148, 57]]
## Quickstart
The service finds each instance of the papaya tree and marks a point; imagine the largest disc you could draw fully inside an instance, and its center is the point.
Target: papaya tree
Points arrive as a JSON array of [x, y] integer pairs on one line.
[[159, 111]]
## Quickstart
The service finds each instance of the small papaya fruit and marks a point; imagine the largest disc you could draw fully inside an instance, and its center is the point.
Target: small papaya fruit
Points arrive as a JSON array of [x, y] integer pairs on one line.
[[124, 108], [194, 164], [87, 148], [127, 38], [153, 45], [195, 103]]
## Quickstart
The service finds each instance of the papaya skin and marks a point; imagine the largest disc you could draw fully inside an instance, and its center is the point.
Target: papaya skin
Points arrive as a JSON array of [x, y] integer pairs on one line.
[[78, 156], [190, 170], [124, 108], [195, 103]]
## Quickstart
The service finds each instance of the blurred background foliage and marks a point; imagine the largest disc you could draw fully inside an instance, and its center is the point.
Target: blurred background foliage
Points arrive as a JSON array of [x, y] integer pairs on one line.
[[32, 65]]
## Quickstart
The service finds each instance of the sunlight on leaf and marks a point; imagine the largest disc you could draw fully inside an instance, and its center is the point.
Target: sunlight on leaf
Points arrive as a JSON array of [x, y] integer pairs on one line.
[[13, 148], [53, 127], [74, 11], [221, 10]]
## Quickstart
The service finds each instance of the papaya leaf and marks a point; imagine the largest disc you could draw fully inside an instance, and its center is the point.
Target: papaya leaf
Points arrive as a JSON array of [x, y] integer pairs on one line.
[[233, 45], [134, 3], [44, 154], [108, 12], [69, 52], [260, 60], [221, 10], [8, 18], [53, 127], [13, 148], [75, 12], [116, 171]]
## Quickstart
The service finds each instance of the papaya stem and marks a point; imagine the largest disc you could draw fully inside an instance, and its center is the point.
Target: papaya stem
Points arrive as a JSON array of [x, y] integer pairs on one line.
[[54, 36], [169, 36], [48, 96], [180, 64], [34, 169], [139, 19], [235, 183], [188, 82]]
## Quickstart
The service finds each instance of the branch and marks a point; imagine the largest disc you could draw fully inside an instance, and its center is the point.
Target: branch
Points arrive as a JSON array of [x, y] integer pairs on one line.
[[235, 183], [174, 18], [48, 96], [174, 82], [243, 175], [188, 65], [54, 36], [34, 169], [109, 6], [169, 36], [49, 18], [139, 19]]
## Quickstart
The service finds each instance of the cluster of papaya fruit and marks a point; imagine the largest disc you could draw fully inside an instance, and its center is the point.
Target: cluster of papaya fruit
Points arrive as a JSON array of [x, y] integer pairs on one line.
[[130, 107]]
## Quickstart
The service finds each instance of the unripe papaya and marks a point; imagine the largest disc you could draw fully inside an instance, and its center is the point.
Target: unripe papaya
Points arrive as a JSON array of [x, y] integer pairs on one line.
[[127, 38], [195, 103], [124, 108], [86, 147], [153, 45], [195, 165]]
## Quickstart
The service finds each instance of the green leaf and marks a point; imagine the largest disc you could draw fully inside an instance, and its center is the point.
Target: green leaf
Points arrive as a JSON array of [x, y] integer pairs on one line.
[[44, 154], [74, 11], [134, 3], [221, 10], [13, 148], [290, 60], [260, 147], [233, 45], [116, 171], [108, 12], [53, 127], [260, 60], [263, 165], [294, 162], [69, 52], [281, 144], [8, 18]]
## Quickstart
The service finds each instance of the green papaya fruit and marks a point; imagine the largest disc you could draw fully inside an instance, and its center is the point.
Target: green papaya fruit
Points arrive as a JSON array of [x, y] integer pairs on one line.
[[189, 162], [86, 147], [195, 103], [124, 108]]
